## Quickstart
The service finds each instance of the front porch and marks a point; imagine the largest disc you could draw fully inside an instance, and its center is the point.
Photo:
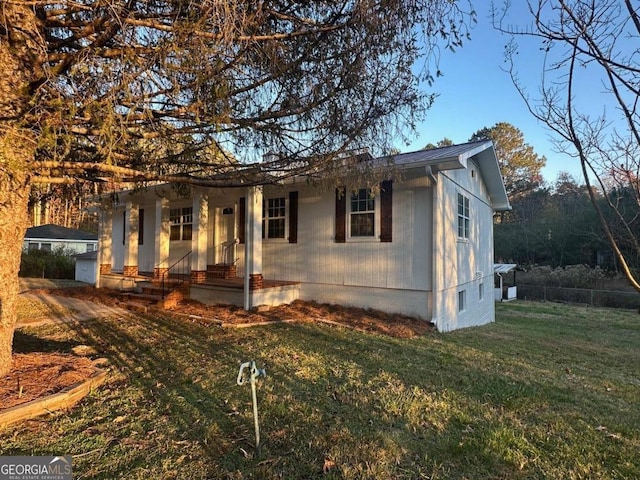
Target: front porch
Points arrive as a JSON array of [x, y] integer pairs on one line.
[[213, 241], [210, 290], [232, 291]]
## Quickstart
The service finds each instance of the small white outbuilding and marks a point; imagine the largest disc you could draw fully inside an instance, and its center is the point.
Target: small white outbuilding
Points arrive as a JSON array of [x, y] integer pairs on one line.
[[504, 293], [86, 267]]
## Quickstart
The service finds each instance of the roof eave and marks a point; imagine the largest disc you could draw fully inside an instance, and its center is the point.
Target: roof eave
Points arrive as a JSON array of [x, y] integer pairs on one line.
[[490, 170]]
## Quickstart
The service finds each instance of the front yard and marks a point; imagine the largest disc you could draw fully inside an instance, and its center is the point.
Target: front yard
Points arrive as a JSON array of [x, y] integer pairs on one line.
[[549, 391]]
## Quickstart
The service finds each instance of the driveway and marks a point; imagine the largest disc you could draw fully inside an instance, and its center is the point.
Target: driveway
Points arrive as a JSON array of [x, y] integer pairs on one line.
[[81, 309]]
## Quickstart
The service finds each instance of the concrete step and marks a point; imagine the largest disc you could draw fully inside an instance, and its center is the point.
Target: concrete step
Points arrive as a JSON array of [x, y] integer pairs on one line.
[[140, 297]]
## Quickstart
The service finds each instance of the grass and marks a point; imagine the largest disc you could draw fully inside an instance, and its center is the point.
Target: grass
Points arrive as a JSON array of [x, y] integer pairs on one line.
[[548, 391]]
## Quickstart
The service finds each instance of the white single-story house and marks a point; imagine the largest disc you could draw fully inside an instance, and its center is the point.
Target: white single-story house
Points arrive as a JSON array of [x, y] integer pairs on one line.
[[51, 237], [421, 244]]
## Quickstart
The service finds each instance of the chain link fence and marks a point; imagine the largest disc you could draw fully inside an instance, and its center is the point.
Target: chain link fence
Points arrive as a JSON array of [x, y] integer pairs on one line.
[[583, 296]]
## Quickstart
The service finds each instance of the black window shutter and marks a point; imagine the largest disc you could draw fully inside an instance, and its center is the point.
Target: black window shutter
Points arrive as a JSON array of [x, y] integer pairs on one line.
[[242, 218], [341, 215], [141, 226], [386, 210], [293, 217]]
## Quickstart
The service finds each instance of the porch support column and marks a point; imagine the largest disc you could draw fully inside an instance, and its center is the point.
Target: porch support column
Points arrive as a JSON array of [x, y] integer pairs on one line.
[[105, 240], [199, 238], [131, 240], [253, 245], [161, 238]]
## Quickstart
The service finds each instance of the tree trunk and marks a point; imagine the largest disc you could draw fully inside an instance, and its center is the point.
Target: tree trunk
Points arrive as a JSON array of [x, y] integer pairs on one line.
[[18, 68], [14, 196]]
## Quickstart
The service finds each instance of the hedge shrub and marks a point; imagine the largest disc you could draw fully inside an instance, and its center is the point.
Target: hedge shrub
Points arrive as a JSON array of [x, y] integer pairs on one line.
[[58, 263]]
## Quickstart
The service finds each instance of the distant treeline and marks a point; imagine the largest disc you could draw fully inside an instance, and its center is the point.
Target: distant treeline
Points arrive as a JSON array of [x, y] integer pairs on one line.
[[557, 226]]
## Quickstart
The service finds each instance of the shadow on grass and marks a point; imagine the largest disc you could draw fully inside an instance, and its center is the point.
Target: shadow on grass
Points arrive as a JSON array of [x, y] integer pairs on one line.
[[335, 404], [28, 342], [179, 376]]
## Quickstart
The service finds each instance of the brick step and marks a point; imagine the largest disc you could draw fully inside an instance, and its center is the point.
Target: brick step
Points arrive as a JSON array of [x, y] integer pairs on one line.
[[222, 270]]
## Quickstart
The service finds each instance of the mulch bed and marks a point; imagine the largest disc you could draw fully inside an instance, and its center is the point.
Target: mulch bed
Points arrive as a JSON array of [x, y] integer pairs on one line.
[[374, 321], [394, 325], [35, 375]]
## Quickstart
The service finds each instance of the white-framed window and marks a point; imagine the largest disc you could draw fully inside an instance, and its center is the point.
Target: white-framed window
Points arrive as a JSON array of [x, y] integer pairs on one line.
[[274, 213], [90, 247], [463, 217], [33, 246], [45, 246], [181, 221], [481, 291], [362, 214], [462, 300]]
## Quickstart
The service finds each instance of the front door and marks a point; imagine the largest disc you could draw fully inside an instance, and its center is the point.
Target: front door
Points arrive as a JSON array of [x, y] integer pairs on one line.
[[225, 236]]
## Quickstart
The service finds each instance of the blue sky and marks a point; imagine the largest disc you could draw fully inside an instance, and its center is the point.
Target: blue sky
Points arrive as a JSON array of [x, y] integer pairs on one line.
[[475, 93]]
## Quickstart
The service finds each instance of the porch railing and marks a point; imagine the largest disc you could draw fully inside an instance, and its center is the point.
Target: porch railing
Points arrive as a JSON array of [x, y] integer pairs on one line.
[[180, 270], [229, 252]]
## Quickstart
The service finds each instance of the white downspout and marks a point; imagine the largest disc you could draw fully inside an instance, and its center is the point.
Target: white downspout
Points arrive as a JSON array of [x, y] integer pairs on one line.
[[437, 253]]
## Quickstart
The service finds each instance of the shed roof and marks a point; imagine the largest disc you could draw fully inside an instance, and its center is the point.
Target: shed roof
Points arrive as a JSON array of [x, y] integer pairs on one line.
[[503, 267], [87, 255]]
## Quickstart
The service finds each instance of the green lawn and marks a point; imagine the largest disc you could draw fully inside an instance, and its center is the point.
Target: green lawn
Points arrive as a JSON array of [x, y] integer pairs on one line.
[[548, 391]]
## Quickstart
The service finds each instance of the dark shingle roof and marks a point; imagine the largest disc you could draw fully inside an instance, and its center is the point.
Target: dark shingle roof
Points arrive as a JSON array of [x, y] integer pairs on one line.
[[59, 233], [87, 255]]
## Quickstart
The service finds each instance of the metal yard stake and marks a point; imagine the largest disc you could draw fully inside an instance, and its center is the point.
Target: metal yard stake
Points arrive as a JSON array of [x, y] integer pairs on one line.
[[253, 374]]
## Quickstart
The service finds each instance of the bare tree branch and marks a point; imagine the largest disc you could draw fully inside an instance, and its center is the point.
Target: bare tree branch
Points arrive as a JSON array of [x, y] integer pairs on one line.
[[581, 36]]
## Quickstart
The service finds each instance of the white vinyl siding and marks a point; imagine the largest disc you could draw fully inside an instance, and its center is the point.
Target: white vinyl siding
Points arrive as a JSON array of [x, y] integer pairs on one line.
[[404, 263]]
